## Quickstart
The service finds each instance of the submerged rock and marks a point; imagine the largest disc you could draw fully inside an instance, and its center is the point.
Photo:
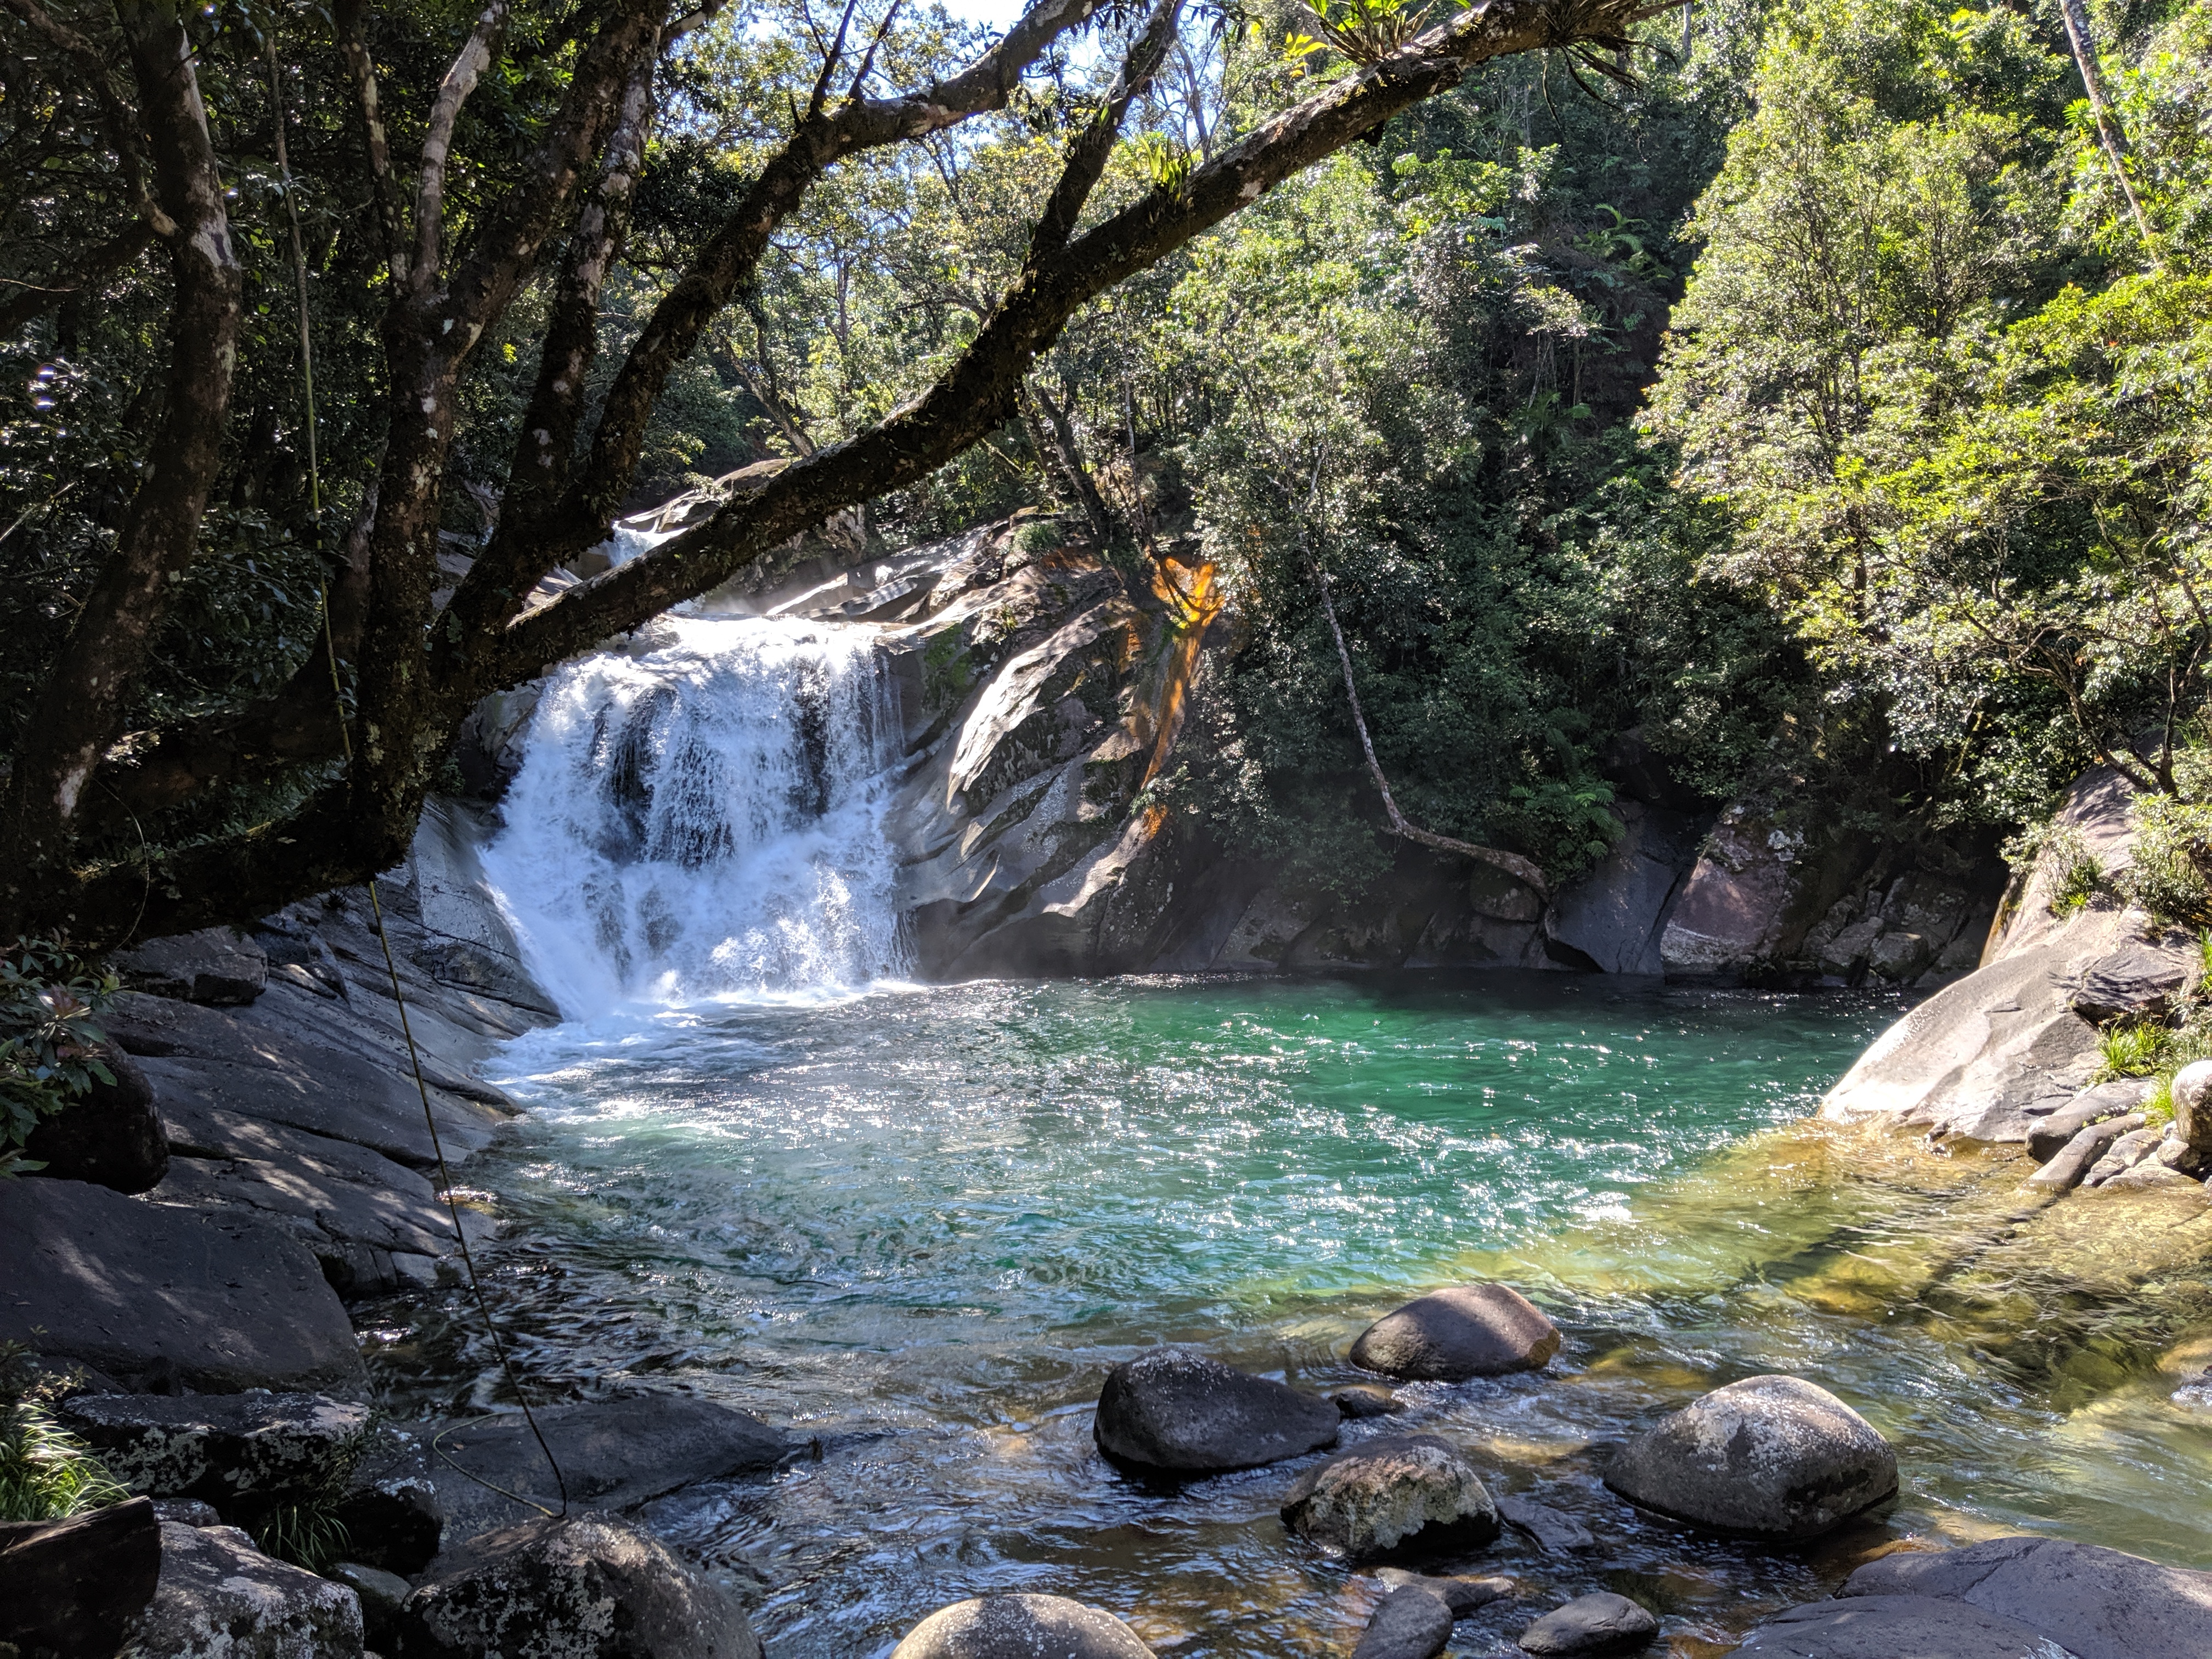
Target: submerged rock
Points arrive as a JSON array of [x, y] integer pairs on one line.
[[219, 1448], [221, 1598], [1174, 1410], [1553, 1528], [1022, 1627], [2095, 1603], [1398, 1495], [72, 1587], [1363, 1400], [1450, 1336], [586, 1586], [1462, 1593], [1891, 1626], [1767, 1457], [1597, 1626], [1411, 1623]]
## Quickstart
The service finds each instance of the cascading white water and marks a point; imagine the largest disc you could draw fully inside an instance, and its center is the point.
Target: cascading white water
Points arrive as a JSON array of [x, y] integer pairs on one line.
[[702, 818]]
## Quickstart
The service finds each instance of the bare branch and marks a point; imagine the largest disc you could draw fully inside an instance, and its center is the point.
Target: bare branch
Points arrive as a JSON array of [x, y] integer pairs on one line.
[[475, 56], [351, 19], [90, 271]]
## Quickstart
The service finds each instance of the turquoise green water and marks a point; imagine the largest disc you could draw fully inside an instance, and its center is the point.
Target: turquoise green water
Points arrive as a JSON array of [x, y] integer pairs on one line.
[[920, 1226]]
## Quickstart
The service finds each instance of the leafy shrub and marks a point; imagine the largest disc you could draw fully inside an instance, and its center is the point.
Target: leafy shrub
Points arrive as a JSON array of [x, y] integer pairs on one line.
[[49, 1046], [46, 1473], [1039, 536], [2172, 856], [2058, 853]]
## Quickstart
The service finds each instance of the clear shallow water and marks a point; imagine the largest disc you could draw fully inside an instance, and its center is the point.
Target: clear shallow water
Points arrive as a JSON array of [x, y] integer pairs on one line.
[[918, 1226]]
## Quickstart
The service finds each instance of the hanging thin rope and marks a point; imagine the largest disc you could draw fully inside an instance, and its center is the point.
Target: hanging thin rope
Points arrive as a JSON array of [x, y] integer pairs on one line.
[[376, 905]]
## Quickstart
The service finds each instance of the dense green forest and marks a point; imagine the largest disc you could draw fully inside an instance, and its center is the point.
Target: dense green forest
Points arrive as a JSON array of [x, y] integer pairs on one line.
[[1818, 389]]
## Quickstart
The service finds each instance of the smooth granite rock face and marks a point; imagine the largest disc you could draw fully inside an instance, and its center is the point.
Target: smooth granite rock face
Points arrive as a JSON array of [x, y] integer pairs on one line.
[[2095, 1603], [1448, 1336], [1602, 1626], [221, 1598], [587, 1586], [1892, 1627], [217, 966], [615, 1454], [1767, 1457], [219, 1448], [1179, 1412], [1400, 1495], [1022, 1627], [1412, 1623], [153, 1293], [71, 1588]]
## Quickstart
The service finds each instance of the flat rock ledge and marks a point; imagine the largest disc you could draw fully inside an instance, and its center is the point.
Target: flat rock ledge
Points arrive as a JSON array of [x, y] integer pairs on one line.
[[1021, 1626], [1771, 1457], [1176, 1412], [1452, 1335], [1401, 1496]]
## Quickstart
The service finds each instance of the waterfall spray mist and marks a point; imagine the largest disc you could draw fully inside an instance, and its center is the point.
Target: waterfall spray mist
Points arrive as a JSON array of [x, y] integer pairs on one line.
[[702, 818]]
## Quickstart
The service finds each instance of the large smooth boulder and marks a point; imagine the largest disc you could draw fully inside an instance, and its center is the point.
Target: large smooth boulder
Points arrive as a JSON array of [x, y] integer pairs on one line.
[[110, 1136], [154, 1293], [1179, 1412], [1767, 1457], [277, 1448], [71, 1588], [2137, 979], [1893, 1627], [2192, 1110], [221, 1598], [1450, 1336], [216, 966], [614, 1455], [2093, 1602], [1021, 1626], [1601, 1625], [586, 1586], [1411, 1623], [1399, 1495]]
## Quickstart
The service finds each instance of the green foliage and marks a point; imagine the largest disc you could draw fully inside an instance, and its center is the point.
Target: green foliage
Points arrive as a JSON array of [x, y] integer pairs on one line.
[[46, 1473], [1039, 536], [49, 1000], [2131, 1048], [2171, 860]]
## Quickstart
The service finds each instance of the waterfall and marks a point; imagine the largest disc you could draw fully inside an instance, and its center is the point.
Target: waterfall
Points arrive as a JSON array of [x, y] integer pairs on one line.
[[701, 817]]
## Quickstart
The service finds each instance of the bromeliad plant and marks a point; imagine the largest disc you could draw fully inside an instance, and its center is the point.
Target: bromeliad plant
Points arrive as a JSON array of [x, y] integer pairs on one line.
[[49, 1044]]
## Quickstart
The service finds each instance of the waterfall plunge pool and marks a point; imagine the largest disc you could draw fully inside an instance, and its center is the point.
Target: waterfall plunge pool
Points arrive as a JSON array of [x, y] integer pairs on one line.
[[919, 1225]]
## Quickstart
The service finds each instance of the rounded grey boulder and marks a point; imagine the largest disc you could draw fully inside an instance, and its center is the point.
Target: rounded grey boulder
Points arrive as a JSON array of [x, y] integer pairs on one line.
[[1448, 1336], [585, 1586], [1021, 1626], [1600, 1626], [1400, 1495], [1179, 1412], [1767, 1457], [1411, 1623]]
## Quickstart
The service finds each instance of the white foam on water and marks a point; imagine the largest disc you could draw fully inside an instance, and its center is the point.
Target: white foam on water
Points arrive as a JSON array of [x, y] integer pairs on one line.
[[701, 819]]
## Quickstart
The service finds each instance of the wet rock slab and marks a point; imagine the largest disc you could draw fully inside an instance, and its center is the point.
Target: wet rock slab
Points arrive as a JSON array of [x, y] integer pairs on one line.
[[1181, 1412], [614, 1455], [217, 1303], [1022, 1627], [1893, 1626], [2095, 1603], [1451, 1335], [1768, 1457]]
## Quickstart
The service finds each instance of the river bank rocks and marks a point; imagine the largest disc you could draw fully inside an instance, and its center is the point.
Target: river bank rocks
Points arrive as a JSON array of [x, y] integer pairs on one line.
[[584, 1586], [111, 1136], [219, 1597], [220, 1449], [71, 1588], [1176, 1412], [1411, 1622], [2004, 1597], [1022, 1627], [1599, 1625], [1452, 1335], [1396, 1495], [1772, 1457]]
